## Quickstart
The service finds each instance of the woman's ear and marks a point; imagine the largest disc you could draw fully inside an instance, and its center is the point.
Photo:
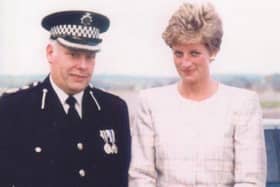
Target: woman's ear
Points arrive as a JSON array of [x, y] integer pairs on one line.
[[213, 56]]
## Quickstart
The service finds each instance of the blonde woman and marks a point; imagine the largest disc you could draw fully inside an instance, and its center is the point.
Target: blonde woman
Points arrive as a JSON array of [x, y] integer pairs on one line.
[[197, 132]]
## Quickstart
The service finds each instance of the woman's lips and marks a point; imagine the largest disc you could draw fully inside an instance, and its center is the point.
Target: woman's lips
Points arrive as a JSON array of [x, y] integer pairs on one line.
[[188, 71]]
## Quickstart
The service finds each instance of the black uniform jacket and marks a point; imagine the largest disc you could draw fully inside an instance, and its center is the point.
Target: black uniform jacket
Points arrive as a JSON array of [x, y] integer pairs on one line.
[[38, 148]]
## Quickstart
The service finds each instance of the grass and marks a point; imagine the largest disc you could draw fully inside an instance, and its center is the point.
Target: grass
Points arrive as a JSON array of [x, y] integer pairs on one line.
[[270, 104]]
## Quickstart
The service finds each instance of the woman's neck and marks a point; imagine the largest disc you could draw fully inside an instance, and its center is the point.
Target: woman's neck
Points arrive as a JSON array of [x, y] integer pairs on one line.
[[198, 91]]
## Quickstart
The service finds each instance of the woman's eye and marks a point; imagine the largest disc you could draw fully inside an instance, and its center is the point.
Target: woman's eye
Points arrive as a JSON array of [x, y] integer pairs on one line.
[[178, 54], [195, 53]]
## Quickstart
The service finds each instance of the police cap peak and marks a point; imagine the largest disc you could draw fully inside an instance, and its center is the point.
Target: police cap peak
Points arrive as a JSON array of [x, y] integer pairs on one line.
[[76, 28]]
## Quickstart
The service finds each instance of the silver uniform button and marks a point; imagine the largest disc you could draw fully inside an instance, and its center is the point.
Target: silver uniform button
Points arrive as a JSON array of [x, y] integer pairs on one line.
[[38, 149], [80, 146], [82, 172]]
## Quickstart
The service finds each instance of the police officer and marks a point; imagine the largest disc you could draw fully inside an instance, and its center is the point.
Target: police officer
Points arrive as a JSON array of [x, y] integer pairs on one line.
[[63, 132]]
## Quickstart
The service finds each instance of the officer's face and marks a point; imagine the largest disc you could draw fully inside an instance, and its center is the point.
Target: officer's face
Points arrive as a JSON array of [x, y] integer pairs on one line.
[[71, 69]]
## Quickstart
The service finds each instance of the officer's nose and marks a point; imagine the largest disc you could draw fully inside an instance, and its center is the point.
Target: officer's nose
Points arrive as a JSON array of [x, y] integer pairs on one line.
[[82, 63]]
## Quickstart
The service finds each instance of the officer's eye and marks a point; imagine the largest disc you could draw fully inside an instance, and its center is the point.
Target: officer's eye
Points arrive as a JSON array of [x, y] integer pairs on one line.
[[91, 56], [73, 54]]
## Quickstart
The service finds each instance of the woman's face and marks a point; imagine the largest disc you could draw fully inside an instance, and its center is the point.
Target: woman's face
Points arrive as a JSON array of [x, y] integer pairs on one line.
[[192, 62]]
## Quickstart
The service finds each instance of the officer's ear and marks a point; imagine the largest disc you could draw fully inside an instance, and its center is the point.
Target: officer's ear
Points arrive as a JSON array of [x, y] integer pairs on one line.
[[50, 52]]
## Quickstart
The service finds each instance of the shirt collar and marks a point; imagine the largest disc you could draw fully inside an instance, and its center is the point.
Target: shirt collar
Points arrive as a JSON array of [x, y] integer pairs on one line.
[[63, 96]]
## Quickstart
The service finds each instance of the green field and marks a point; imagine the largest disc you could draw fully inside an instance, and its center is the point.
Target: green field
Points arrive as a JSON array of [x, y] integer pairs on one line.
[[270, 104]]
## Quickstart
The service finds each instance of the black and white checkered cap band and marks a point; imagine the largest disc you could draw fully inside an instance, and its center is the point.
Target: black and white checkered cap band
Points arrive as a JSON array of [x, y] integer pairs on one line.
[[75, 30]]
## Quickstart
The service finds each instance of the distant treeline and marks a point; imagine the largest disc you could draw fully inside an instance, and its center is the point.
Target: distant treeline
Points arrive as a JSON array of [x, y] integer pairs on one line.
[[111, 82], [254, 82]]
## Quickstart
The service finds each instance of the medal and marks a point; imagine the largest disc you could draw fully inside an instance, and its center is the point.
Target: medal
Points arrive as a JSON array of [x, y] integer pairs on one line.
[[114, 149], [113, 141], [109, 138], [107, 148]]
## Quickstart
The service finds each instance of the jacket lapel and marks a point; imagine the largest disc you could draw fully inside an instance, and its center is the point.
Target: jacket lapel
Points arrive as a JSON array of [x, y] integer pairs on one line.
[[90, 111], [53, 108]]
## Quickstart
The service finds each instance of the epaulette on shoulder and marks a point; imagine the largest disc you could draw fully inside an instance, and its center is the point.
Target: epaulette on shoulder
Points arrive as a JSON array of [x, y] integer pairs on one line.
[[25, 87], [93, 87]]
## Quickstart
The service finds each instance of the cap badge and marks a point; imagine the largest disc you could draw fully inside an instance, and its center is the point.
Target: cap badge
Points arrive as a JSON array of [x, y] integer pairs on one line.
[[86, 19]]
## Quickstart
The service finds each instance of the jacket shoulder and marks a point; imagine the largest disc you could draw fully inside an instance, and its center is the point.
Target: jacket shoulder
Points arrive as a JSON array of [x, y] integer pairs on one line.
[[17, 94], [17, 91], [241, 100], [238, 93], [16, 99]]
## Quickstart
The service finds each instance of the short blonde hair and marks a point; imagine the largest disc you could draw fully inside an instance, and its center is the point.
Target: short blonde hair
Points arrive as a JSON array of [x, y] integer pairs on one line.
[[195, 22]]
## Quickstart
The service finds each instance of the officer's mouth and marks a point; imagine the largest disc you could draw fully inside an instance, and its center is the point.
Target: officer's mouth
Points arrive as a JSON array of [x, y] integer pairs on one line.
[[79, 77]]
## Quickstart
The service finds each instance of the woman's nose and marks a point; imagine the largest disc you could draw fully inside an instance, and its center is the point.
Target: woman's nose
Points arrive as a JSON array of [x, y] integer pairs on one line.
[[186, 63]]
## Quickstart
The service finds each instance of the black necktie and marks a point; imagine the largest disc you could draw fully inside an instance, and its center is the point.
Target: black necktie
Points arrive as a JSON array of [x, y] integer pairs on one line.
[[72, 114]]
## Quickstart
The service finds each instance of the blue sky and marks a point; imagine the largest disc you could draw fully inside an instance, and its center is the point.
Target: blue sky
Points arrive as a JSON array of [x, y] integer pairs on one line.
[[133, 44]]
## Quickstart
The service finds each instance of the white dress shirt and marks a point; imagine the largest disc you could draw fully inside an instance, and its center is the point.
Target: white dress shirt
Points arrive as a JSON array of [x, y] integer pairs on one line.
[[177, 142], [63, 96]]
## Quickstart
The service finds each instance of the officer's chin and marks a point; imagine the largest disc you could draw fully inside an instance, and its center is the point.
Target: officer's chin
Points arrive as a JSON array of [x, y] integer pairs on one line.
[[76, 89]]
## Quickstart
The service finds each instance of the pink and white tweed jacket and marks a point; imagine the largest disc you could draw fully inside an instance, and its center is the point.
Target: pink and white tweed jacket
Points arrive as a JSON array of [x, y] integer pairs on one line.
[[217, 142]]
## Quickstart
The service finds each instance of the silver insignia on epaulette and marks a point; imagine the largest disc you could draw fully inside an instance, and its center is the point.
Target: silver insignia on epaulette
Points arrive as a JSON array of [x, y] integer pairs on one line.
[[25, 87], [14, 90], [11, 90]]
